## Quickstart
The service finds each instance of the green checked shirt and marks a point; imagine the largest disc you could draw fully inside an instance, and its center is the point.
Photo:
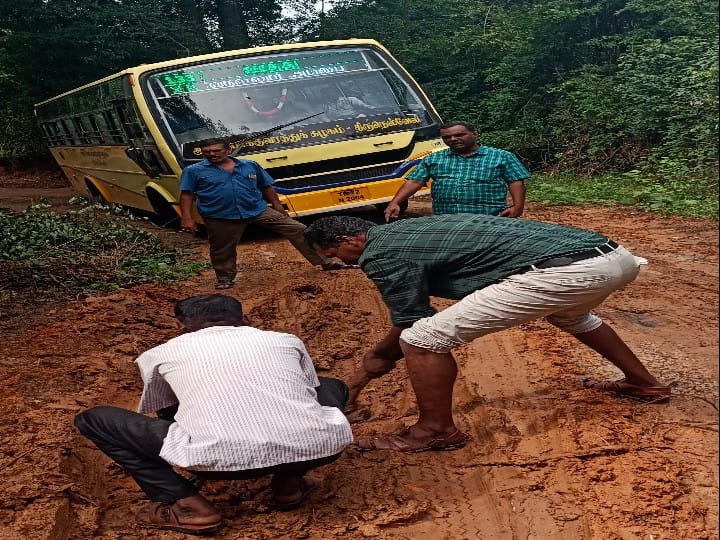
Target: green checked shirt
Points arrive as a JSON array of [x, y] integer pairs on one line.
[[450, 256], [476, 184]]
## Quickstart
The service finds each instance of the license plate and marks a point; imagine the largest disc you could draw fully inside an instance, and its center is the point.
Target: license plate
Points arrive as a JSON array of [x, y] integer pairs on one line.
[[351, 195]]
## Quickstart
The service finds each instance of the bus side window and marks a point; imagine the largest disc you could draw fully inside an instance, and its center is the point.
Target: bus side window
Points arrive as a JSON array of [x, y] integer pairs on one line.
[[131, 126], [95, 132], [52, 133], [112, 126], [46, 133], [68, 135], [81, 131]]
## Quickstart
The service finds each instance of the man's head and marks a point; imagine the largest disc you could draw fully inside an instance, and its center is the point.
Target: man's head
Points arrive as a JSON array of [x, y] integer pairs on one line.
[[215, 150], [205, 310], [460, 137], [339, 236]]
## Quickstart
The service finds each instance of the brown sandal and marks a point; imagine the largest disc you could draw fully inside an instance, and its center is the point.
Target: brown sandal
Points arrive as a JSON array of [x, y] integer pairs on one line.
[[278, 503], [654, 394], [397, 443]]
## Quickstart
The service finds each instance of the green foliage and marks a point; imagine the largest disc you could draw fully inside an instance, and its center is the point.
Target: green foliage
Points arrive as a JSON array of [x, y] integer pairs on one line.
[[87, 249], [585, 87], [668, 197], [19, 132], [592, 88]]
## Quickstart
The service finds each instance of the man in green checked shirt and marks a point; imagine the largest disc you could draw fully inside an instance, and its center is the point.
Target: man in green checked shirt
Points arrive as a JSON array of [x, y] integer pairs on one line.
[[467, 177], [503, 272]]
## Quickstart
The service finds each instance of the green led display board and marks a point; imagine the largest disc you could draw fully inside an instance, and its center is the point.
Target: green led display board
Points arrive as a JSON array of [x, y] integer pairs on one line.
[[251, 71], [272, 67]]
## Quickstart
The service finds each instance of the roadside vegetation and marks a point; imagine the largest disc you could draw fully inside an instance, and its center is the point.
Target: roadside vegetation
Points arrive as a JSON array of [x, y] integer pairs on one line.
[[45, 254], [670, 196], [610, 87]]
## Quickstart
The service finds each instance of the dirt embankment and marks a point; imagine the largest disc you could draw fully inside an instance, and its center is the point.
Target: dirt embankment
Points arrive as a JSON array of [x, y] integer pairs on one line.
[[548, 459]]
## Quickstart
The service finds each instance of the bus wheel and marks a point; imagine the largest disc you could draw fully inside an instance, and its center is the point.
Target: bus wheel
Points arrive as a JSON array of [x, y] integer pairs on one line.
[[383, 206], [166, 216], [95, 196]]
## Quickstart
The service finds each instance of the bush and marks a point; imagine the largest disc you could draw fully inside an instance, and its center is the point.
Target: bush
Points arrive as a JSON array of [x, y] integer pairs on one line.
[[91, 249]]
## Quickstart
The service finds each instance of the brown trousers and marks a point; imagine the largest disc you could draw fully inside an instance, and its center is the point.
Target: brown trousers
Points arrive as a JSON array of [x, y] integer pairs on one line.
[[224, 235]]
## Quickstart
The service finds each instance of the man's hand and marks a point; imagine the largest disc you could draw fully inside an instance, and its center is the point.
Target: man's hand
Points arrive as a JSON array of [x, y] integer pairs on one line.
[[512, 211], [188, 225], [392, 211], [280, 208], [374, 366], [380, 360]]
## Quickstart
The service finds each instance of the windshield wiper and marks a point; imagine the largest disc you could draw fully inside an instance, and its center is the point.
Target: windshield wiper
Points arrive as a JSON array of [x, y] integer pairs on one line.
[[244, 140]]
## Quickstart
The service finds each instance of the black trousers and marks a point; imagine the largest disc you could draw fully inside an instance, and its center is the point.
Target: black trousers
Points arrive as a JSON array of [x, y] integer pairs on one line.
[[134, 442]]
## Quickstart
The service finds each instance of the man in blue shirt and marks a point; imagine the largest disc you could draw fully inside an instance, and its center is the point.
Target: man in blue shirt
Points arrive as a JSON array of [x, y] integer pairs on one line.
[[231, 193], [467, 177]]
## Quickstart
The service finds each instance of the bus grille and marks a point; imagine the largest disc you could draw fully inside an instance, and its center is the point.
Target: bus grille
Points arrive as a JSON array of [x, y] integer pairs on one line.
[[339, 178]]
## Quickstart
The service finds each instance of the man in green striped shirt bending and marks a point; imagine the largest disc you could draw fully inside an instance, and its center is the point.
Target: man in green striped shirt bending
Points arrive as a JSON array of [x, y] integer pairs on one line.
[[467, 177], [503, 272]]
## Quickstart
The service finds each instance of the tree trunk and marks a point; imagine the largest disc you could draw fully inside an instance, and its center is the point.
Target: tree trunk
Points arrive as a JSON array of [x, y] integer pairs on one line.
[[196, 39], [232, 23]]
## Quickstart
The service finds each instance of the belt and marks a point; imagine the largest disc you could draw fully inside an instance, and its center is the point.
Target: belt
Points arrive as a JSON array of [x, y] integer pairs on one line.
[[569, 258]]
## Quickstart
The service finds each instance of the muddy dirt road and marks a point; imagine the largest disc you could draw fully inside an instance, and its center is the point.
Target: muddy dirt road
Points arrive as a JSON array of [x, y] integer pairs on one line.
[[548, 459]]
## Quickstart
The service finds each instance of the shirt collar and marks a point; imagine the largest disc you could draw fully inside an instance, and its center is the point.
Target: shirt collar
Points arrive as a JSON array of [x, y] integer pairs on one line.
[[479, 151], [206, 162]]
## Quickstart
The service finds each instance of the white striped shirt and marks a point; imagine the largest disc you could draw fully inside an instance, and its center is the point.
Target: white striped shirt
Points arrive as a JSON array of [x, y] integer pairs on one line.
[[246, 400]]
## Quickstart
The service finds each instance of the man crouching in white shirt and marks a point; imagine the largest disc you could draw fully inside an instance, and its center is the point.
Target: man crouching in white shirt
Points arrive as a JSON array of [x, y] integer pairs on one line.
[[231, 402]]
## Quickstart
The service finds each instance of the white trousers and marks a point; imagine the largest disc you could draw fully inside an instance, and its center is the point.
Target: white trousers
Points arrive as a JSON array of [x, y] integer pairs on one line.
[[564, 295]]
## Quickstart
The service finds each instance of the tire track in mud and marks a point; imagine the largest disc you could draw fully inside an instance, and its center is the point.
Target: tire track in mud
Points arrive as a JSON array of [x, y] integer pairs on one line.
[[487, 489], [542, 456], [548, 459]]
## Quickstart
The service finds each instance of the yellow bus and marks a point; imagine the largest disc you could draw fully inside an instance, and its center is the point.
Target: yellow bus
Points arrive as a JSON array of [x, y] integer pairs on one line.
[[337, 124]]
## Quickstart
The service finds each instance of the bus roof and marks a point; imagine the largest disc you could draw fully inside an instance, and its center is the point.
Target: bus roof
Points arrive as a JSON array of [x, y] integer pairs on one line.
[[137, 70]]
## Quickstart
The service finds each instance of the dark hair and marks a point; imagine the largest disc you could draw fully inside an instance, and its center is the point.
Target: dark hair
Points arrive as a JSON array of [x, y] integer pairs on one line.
[[213, 141], [325, 231], [454, 123], [209, 310]]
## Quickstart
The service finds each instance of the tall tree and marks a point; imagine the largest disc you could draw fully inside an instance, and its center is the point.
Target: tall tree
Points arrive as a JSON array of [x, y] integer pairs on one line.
[[232, 22], [592, 86], [51, 46]]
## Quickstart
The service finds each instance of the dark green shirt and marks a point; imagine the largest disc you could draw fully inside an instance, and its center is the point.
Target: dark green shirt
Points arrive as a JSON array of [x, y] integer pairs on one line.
[[452, 255]]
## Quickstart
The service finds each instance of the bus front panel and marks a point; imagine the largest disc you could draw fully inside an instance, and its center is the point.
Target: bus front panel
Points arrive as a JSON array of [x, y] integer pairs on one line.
[[321, 120]]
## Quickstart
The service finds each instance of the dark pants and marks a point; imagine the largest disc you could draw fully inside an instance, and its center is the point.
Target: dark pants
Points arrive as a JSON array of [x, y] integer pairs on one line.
[[134, 442], [225, 234]]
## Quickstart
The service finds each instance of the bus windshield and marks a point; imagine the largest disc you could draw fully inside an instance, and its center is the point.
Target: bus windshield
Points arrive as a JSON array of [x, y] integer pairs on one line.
[[280, 101]]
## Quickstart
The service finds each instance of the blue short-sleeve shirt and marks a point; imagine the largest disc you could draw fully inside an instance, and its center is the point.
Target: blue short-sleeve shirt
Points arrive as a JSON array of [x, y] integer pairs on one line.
[[223, 195]]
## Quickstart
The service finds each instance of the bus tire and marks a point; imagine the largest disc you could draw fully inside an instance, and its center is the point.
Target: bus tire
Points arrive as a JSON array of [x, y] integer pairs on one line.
[[95, 196], [166, 216]]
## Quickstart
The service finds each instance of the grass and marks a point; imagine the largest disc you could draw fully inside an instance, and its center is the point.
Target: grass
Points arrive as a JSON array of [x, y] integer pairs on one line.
[[671, 197]]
